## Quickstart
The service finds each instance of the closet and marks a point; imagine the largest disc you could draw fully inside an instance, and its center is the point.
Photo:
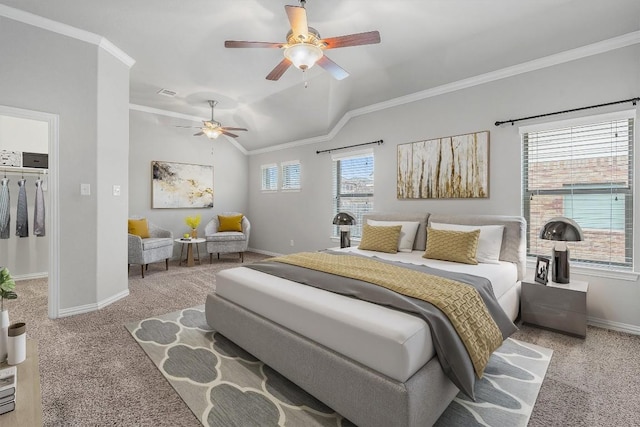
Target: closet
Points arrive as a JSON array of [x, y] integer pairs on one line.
[[24, 244]]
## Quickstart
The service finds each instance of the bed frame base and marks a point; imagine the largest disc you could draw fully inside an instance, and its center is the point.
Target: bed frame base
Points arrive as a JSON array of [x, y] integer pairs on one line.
[[362, 395]]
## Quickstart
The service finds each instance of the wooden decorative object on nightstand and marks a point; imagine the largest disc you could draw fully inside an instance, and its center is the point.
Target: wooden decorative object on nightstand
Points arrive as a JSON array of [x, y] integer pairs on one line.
[[28, 410], [561, 307]]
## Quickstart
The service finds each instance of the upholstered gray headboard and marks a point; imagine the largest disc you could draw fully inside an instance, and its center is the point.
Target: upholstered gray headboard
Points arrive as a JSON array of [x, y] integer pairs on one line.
[[514, 239]]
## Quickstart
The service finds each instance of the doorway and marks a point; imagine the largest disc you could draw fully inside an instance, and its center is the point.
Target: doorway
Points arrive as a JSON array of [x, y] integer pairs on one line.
[[46, 124]]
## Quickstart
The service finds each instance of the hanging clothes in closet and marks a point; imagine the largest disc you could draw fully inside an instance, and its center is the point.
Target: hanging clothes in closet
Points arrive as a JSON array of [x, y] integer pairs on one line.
[[4, 208], [38, 215], [22, 217]]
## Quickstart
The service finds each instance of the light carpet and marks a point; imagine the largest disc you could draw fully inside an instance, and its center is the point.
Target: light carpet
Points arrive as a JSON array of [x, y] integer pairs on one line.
[[223, 385]]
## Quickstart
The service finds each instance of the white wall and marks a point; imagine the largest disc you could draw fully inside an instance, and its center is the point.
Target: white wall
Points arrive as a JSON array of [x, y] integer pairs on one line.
[[155, 137], [305, 217], [45, 71]]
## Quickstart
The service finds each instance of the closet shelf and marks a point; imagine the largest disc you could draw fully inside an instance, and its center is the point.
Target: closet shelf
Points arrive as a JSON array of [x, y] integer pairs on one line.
[[15, 169]]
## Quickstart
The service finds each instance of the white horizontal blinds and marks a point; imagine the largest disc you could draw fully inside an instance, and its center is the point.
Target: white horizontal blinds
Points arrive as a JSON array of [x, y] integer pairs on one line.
[[269, 177], [291, 175], [583, 172], [353, 186]]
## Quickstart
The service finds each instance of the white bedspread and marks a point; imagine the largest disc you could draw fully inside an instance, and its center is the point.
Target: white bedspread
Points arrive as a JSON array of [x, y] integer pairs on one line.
[[391, 342]]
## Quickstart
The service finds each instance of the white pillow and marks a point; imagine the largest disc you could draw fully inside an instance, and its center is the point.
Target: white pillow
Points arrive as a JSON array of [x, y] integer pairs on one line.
[[489, 243], [407, 234]]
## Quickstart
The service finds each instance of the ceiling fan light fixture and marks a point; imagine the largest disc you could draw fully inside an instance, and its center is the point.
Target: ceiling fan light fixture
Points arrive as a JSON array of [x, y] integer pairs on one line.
[[211, 133], [303, 55]]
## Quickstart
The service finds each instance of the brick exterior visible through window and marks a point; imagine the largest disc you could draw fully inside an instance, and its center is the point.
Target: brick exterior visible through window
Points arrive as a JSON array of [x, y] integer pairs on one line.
[[585, 173]]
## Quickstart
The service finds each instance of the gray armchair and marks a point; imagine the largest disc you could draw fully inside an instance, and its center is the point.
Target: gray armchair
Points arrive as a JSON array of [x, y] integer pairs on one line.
[[156, 248], [226, 241]]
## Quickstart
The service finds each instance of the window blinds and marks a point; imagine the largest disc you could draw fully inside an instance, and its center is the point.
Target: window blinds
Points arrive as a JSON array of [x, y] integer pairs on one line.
[[583, 172], [269, 177], [291, 175], [353, 186]]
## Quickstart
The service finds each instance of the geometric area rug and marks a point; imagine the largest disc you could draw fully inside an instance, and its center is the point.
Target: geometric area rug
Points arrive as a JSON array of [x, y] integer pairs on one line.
[[224, 385]]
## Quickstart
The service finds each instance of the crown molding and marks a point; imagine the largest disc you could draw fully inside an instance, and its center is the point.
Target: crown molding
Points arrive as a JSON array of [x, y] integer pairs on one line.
[[66, 30], [150, 110], [614, 43]]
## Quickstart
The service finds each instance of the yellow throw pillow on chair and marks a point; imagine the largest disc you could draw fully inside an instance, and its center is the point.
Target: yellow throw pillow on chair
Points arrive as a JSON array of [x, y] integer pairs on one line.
[[230, 223], [139, 227]]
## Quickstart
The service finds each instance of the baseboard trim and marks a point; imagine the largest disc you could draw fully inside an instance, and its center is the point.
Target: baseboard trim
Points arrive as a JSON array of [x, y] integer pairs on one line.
[[260, 251], [113, 298], [87, 308], [30, 276], [615, 326]]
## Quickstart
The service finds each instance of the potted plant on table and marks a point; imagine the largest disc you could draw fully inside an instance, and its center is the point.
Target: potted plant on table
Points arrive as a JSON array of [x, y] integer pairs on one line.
[[193, 222], [7, 291]]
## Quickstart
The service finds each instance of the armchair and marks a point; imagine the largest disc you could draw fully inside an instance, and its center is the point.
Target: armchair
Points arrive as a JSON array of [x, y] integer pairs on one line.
[[226, 241], [157, 247]]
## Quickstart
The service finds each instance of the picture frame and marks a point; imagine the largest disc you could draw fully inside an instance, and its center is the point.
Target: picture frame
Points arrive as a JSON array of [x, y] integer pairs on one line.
[[181, 185], [541, 274], [451, 167]]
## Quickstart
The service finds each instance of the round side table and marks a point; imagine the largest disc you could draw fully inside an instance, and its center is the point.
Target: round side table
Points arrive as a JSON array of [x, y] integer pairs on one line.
[[190, 260]]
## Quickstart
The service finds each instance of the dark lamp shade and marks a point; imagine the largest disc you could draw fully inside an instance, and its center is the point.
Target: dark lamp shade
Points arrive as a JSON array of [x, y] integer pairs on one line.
[[561, 229], [344, 218]]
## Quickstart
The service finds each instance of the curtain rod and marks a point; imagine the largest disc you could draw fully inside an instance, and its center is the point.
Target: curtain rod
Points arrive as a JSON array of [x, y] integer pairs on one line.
[[350, 146], [512, 121]]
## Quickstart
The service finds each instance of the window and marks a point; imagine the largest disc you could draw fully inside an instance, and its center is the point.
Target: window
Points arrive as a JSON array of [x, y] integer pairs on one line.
[[269, 177], [582, 170], [291, 175], [353, 187]]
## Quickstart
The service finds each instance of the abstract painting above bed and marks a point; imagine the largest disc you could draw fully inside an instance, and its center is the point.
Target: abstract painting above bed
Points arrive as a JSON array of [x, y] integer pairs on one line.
[[444, 168]]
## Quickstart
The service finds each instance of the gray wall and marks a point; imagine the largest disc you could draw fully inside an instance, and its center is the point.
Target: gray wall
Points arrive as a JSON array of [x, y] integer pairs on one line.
[[155, 137], [44, 71], [112, 169], [305, 217]]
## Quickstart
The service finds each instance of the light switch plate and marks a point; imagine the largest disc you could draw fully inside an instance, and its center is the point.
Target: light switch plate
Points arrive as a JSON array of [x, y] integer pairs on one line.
[[85, 189], [116, 190]]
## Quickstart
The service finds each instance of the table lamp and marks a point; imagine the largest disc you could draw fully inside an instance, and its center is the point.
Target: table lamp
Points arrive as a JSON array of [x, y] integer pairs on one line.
[[345, 221], [561, 230]]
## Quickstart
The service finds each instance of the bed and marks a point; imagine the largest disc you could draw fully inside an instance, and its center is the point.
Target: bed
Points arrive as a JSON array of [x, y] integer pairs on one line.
[[374, 365]]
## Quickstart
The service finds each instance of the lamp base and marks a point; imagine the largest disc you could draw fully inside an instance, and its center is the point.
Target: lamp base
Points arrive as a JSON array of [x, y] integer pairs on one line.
[[560, 266], [345, 239]]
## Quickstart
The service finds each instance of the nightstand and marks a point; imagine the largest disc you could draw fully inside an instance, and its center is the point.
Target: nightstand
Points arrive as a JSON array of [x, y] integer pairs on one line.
[[561, 307]]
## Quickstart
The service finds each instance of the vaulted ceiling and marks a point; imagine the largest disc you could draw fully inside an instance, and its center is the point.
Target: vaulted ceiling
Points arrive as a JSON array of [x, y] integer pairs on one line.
[[179, 45]]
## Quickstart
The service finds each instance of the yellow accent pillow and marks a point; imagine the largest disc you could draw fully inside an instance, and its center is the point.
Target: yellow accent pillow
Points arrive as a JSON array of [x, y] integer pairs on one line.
[[450, 245], [230, 223], [139, 227], [380, 238]]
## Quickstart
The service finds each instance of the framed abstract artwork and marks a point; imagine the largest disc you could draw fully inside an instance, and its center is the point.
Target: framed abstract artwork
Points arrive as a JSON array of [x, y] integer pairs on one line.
[[181, 185], [451, 167]]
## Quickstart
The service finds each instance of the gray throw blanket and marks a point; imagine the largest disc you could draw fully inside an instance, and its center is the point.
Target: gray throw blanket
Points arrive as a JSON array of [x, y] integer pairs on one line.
[[449, 348]]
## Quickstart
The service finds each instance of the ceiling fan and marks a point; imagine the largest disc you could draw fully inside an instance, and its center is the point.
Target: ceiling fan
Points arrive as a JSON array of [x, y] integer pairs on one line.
[[305, 47], [213, 129]]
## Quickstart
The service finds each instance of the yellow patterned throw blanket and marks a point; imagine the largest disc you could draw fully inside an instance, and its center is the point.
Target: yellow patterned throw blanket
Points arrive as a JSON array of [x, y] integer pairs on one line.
[[460, 302]]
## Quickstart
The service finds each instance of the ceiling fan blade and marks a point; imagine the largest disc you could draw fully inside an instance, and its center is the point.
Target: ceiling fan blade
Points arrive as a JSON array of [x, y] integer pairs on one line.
[[228, 128], [298, 19], [334, 69], [279, 70], [188, 127], [198, 134], [237, 43], [359, 39], [233, 135]]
